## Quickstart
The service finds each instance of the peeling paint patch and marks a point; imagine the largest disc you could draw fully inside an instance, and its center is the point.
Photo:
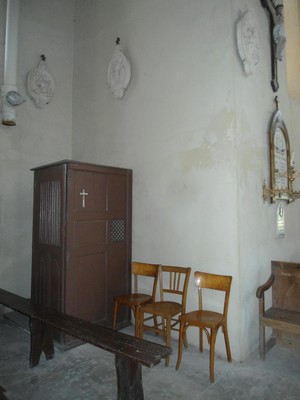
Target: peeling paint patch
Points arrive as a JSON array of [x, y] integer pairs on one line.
[[222, 125], [218, 145], [198, 157]]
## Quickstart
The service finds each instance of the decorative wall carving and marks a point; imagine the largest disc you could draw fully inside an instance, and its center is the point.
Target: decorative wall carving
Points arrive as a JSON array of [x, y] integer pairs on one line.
[[248, 42], [40, 84], [119, 71]]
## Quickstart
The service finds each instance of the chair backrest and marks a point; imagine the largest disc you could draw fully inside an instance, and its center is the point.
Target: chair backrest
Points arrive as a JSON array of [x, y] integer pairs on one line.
[[145, 269], [174, 281], [286, 287], [204, 280]]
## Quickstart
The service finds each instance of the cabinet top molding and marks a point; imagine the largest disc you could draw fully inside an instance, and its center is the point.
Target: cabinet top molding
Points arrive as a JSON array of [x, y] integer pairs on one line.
[[78, 165]]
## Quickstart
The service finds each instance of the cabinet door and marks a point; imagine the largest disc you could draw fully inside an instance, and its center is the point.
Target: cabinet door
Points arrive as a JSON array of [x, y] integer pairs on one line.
[[96, 267], [86, 246]]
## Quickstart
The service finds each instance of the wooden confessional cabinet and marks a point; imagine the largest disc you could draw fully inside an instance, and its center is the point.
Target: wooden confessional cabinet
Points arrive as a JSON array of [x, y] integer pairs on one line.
[[81, 241]]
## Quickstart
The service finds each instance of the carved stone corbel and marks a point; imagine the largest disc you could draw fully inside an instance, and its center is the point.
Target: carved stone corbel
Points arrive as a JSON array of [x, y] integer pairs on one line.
[[118, 74], [248, 42], [40, 84]]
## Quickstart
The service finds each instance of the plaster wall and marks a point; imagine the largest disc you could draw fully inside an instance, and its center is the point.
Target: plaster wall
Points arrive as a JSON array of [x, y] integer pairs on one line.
[[175, 127], [192, 126], [292, 16], [194, 129], [258, 244], [40, 136]]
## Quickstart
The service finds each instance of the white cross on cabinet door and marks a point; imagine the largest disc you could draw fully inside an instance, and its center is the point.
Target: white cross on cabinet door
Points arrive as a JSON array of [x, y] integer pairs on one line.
[[83, 194]]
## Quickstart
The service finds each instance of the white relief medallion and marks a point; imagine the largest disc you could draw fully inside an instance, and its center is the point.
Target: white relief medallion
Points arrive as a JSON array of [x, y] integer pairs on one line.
[[118, 74], [248, 42], [40, 84]]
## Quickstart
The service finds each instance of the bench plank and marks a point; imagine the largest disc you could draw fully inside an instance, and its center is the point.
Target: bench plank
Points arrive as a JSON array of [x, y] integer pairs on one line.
[[145, 352], [18, 303], [286, 320]]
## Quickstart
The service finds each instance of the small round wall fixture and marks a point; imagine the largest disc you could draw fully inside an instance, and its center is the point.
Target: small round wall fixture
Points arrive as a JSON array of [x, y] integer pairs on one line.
[[40, 84], [119, 71], [14, 98]]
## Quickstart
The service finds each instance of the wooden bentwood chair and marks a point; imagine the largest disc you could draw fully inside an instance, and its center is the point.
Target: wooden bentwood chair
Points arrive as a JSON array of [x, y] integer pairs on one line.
[[207, 321], [136, 300], [173, 290]]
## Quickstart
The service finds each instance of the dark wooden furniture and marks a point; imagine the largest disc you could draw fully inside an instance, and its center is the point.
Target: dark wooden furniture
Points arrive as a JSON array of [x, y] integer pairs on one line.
[[206, 320], [130, 352], [137, 299], [81, 241], [284, 314]]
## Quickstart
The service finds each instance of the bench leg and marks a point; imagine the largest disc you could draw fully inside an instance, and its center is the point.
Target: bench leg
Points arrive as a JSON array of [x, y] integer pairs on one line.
[[129, 376], [41, 341], [2, 391], [262, 341]]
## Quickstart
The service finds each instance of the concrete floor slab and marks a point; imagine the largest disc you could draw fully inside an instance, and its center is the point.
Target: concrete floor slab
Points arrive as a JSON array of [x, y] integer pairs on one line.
[[88, 373]]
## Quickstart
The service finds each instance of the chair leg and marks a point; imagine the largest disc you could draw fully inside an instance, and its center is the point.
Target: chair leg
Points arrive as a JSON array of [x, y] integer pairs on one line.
[[163, 326], [184, 337], [181, 334], [213, 336], [227, 345], [185, 342], [136, 314], [141, 324], [115, 315], [168, 338], [201, 340], [155, 323]]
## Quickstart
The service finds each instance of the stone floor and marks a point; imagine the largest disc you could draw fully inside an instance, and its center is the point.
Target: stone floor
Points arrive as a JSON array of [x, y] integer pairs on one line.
[[88, 373]]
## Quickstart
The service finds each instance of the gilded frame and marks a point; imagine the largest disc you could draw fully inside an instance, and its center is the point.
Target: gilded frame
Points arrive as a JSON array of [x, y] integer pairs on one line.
[[279, 145]]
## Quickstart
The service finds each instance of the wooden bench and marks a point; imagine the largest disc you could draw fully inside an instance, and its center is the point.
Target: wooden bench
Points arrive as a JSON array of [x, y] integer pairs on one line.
[[130, 352], [284, 315]]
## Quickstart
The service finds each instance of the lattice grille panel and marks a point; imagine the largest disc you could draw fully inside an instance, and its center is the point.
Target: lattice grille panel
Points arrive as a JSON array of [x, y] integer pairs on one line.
[[118, 230], [49, 222]]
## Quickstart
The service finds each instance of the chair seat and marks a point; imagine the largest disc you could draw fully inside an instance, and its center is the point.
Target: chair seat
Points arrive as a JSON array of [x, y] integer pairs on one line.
[[209, 318], [163, 308], [134, 299]]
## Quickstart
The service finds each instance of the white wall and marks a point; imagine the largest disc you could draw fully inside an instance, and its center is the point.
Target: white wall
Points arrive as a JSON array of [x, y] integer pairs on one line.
[[257, 240], [40, 136], [194, 129], [292, 13], [192, 126]]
